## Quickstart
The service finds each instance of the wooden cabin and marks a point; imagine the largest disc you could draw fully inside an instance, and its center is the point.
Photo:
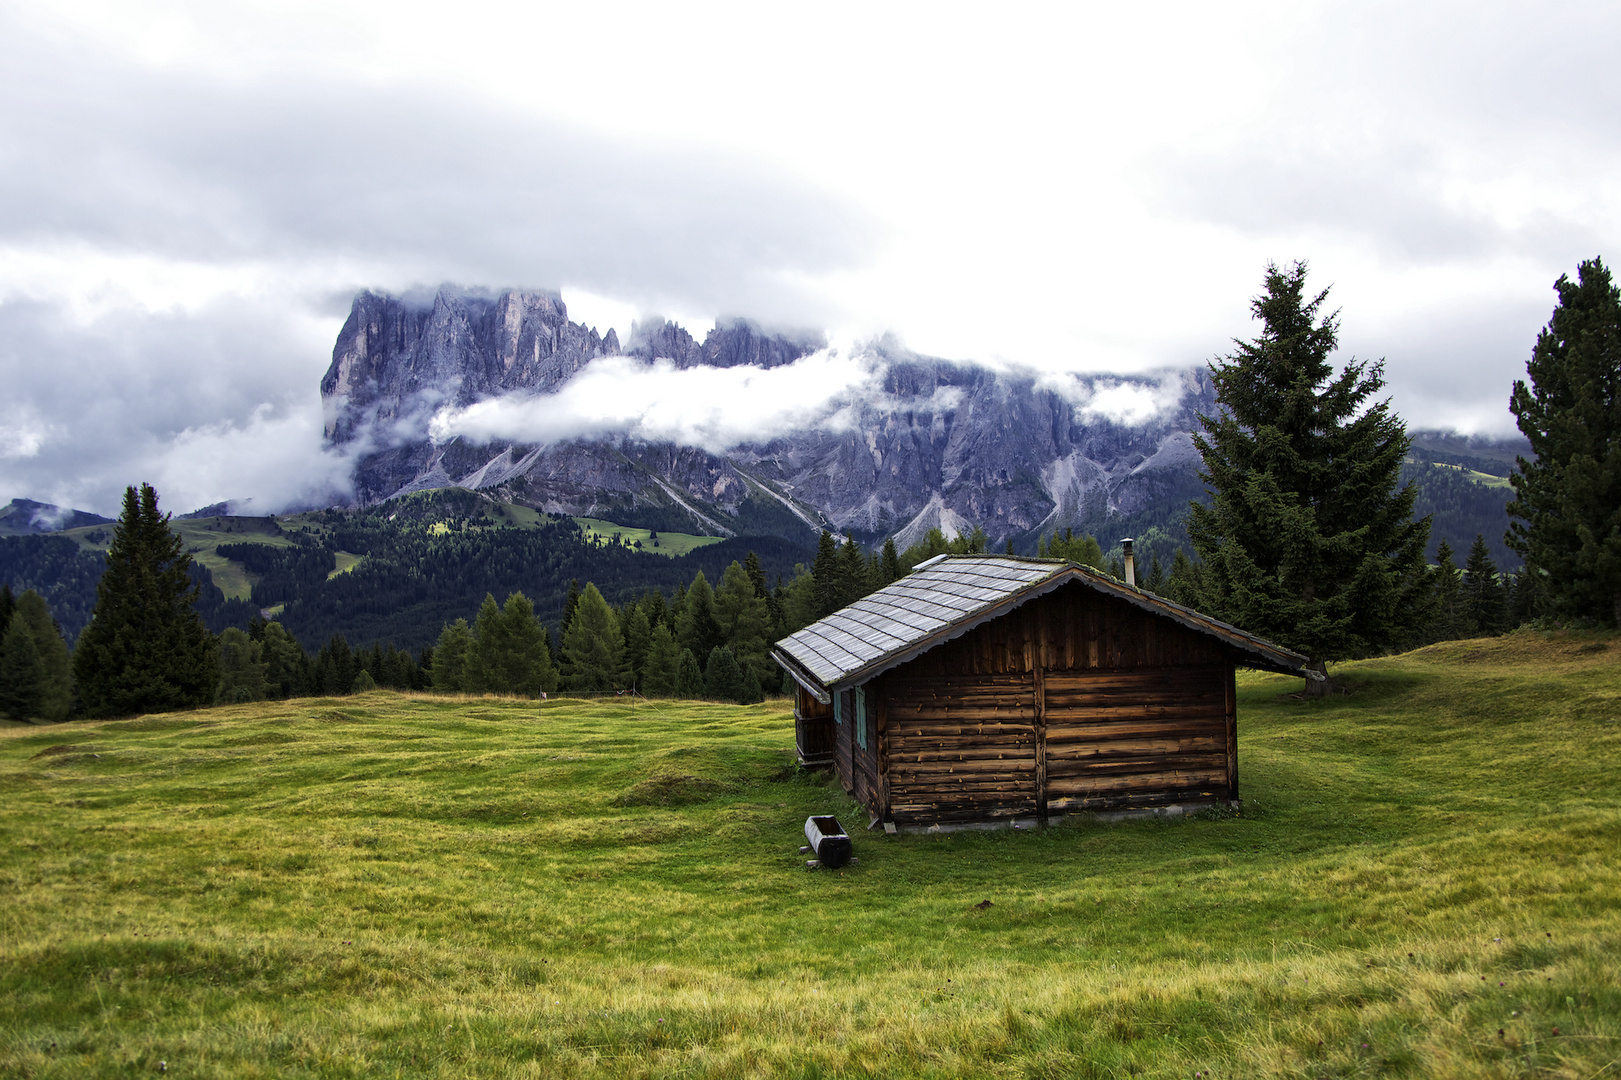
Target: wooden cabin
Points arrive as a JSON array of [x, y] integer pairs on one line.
[[987, 688]]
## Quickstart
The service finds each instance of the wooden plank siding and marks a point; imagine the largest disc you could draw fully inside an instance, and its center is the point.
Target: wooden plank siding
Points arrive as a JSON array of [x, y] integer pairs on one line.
[[1151, 734], [959, 747], [1074, 701], [813, 730]]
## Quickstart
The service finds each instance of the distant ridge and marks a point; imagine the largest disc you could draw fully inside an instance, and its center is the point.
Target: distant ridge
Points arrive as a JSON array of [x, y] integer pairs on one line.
[[25, 517]]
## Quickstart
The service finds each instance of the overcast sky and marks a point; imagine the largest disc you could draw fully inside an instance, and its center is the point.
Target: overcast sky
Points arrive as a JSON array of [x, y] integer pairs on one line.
[[190, 194]]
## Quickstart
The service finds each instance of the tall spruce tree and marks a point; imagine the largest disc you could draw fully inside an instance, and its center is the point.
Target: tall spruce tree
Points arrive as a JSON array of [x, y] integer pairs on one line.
[[1449, 620], [889, 562], [824, 577], [1568, 500], [638, 642], [286, 665], [1308, 539], [146, 648], [1482, 591]]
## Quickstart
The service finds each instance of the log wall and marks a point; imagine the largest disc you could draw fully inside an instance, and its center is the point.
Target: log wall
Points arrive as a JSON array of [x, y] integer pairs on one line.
[[1074, 701]]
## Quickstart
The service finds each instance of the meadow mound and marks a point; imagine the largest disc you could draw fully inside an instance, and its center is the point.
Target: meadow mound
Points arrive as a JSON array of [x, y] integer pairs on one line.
[[1423, 881]]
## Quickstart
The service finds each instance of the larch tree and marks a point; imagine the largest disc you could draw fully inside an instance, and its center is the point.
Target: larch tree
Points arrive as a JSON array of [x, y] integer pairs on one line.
[[146, 648], [1308, 538], [593, 648], [744, 620], [508, 653], [1567, 501]]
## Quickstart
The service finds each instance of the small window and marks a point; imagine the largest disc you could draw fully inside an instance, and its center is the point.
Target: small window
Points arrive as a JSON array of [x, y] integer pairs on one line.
[[861, 716], [838, 708]]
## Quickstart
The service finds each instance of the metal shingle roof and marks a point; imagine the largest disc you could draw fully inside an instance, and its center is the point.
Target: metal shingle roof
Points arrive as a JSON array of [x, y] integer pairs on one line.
[[947, 598]]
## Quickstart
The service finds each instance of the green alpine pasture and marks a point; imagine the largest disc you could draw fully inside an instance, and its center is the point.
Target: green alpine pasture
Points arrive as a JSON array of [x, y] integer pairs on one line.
[[669, 543], [1424, 881]]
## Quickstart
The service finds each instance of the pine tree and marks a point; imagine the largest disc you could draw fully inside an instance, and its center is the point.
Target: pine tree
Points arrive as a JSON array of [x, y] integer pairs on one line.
[[1307, 540], [1186, 584], [450, 656], [824, 576], [593, 648], [1083, 549], [56, 663], [286, 665], [723, 679], [8, 604], [698, 629], [851, 574], [1568, 500], [337, 667], [756, 573], [752, 693], [571, 605], [1155, 582], [638, 642], [663, 664], [890, 562], [1482, 592], [22, 676], [689, 679], [1450, 621], [657, 610], [146, 649], [242, 669], [508, 653], [744, 620]]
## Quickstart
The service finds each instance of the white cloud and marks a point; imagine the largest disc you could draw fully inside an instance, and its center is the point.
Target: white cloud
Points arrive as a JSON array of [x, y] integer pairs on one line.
[[714, 408], [190, 192], [1128, 401], [274, 460]]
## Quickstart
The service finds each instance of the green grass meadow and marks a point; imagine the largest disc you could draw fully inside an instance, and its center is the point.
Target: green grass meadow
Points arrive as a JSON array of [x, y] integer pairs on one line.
[[670, 544], [1425, 881]]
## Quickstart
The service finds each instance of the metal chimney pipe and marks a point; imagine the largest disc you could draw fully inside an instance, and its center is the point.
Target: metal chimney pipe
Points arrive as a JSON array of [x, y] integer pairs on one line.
[[1131, 566]]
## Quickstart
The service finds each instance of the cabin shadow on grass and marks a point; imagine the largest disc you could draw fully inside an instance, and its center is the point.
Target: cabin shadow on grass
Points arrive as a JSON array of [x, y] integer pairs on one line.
[[1431, 889]]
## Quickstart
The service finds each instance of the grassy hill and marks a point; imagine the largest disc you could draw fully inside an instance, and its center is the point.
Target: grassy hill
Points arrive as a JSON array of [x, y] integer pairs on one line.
[[1425, 881]]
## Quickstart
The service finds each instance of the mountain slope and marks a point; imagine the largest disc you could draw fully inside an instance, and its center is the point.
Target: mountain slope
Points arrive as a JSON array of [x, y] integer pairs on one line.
[[934, 444]]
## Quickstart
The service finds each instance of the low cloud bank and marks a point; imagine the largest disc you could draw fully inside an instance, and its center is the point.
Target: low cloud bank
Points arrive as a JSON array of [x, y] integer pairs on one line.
[[713, 408], [1128, 401], [95, 405]]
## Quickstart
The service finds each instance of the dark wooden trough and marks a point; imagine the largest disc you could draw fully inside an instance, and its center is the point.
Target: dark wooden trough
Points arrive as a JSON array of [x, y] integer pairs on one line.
[[828, 841]]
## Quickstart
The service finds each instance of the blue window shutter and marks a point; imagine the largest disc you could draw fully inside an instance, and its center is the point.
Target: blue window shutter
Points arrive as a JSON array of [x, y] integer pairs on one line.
[[861, 716]]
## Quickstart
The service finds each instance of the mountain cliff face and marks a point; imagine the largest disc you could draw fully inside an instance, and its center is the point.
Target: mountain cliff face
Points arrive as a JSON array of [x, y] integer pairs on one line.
[[940, 444]]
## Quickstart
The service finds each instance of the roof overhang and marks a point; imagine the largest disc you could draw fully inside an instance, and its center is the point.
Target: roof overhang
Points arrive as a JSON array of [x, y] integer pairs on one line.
[[1247, 649]]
